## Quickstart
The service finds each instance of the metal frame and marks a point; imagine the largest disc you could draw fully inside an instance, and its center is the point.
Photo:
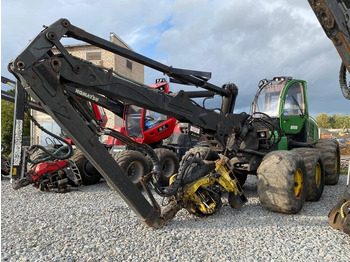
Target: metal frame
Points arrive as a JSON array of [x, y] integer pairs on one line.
[[17, 163], [50, 80], [333, 16], [54, 81]]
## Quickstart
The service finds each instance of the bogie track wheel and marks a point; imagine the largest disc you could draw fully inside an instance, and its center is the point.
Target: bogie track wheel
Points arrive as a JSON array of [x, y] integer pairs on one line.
[[89, 174], [330, 154], [315, 174], [134, 164], [169, 164], [282, 182]]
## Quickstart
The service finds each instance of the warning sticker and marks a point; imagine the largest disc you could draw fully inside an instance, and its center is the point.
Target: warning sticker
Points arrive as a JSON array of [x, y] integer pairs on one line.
[[17, 143]]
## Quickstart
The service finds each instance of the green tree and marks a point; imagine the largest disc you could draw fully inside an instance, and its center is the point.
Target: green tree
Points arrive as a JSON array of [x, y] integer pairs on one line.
[[347, 122], [324, 121], [337, 121], [7, 111], [341, 121]]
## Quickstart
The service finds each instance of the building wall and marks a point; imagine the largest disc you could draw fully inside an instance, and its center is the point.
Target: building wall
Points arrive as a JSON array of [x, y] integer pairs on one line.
[[137, 71], [121, 65]]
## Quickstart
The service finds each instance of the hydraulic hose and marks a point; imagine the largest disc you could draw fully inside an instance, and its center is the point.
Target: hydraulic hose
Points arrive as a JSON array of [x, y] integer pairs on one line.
[[54, 155], [132, 144], [187, 174], [345, 89]]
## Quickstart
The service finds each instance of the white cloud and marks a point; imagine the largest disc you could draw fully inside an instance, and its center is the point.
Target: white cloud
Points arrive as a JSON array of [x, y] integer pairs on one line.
[[239, 41], [245, 41]]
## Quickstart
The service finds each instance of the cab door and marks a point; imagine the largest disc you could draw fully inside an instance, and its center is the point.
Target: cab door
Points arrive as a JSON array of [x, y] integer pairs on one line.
[[293, 108]]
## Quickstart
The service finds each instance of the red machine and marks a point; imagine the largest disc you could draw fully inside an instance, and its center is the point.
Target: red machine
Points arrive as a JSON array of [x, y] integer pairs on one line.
[[151, 128], [54, 175], [143, 125], [48, 171]]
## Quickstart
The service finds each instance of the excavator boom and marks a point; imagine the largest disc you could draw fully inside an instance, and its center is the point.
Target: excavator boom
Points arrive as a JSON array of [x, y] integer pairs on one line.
[[334, 17], [55, 82]]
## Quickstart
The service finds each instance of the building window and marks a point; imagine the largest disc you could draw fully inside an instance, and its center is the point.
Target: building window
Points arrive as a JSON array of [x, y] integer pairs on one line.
[[53, 127], [129, 64], [93, 56]]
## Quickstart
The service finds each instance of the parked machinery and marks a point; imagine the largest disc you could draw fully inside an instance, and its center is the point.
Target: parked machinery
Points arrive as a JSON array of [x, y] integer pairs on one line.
[[142, 125], [49, 167], [163, 133], [238, 144]]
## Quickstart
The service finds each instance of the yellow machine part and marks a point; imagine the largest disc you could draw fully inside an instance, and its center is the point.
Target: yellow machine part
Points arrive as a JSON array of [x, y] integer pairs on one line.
[[195, 197], [172, 179], [225, 179]]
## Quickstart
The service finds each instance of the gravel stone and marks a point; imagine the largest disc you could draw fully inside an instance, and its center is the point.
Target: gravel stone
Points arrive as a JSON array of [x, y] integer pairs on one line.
[[92, 223]]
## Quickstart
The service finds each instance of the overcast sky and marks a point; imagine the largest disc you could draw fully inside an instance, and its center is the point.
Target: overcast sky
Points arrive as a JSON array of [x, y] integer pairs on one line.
[[238, 41]]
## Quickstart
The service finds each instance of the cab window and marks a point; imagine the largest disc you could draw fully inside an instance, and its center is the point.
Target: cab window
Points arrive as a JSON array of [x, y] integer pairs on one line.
[[133, 121], [294, 100], [153, 118], [268, 100]]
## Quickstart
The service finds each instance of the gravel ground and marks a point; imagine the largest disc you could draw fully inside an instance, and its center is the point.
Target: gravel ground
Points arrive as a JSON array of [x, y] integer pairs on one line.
[[94, 224]]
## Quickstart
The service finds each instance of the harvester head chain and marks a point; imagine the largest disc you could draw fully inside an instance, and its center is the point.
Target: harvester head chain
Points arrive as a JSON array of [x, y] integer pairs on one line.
[[192, 169], [339, 217], [343, 83]]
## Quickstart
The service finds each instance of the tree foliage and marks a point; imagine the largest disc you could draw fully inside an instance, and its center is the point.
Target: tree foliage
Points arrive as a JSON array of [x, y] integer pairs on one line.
[[7, 111], [336, 121]]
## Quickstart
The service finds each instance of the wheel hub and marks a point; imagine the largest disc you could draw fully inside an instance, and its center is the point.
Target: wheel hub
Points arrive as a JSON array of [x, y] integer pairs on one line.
[[298, 183], [134, 171], [168, 168], [90, 170], [336, 163], [318, 175]]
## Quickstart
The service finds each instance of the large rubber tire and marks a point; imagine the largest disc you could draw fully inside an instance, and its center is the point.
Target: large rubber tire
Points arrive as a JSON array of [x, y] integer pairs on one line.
[[169, 164], [5, 166], [37, 155], [89, 174], [282, 182], [205, 152], [315, 174], [40, 154], [134, 164], [330, 154], [211, 155]]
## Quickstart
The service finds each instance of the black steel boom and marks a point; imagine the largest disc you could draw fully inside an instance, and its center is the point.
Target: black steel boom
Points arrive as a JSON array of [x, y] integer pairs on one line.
[[54, 81], [57, 82]]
